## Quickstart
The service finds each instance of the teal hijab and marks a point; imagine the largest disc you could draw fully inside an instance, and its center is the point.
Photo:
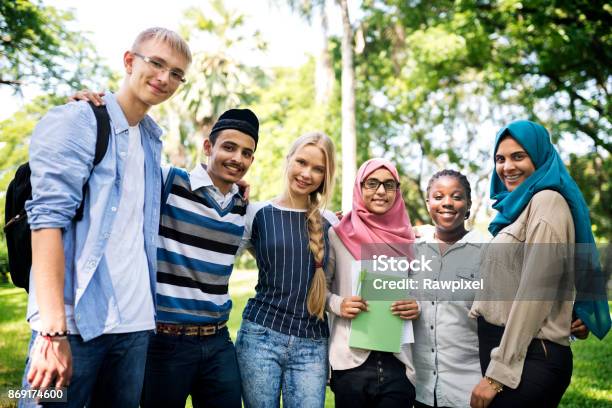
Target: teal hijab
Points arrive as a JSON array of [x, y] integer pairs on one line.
[[551, 174]]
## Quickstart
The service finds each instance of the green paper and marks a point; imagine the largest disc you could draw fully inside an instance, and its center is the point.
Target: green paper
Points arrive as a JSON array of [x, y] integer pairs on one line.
[[377, 329]]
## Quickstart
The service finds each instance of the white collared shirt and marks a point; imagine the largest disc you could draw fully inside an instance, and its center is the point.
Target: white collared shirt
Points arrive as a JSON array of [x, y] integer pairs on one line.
[[445, 351], [199, 177]]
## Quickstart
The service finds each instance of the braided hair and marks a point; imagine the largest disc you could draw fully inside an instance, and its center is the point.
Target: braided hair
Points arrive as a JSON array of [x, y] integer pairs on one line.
[[317, 200]]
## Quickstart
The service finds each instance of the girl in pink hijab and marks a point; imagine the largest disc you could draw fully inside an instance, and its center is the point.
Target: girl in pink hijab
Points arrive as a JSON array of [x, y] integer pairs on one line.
[[360, 377]]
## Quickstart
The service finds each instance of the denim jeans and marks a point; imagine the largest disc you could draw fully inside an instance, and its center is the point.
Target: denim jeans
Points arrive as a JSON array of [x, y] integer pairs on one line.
[[204, 367], [379, 382], [271, 361], [107, 371]]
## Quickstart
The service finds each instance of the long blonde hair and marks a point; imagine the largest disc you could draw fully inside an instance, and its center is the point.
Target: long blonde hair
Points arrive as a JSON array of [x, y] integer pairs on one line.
[[317, 200]]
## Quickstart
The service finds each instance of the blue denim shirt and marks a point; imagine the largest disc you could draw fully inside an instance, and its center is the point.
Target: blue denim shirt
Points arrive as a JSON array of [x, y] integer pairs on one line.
[[61, 159]]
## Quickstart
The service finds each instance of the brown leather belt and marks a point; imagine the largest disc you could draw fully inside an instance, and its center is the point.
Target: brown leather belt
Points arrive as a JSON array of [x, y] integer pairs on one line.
[[189, 329]]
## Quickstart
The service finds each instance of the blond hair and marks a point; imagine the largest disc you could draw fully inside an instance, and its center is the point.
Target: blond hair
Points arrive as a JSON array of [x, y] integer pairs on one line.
[[169, 37], [317, 200]]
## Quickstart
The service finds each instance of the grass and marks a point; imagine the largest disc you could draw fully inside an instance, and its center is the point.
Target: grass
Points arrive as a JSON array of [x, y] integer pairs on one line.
[[591, 381]]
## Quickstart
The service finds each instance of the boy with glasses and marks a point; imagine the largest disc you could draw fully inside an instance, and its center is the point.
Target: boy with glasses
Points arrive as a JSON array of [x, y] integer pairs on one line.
[[91, 306]]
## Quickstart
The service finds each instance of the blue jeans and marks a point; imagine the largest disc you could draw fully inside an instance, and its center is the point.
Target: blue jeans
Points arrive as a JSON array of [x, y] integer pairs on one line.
[[204, 367], [270, 361], [107, 371]]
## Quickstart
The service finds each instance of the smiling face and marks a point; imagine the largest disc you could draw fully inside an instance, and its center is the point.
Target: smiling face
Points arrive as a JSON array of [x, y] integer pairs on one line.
[[512, 163], [306, 171], [148, 85], [379, 200], [229, 158], [447, 203]]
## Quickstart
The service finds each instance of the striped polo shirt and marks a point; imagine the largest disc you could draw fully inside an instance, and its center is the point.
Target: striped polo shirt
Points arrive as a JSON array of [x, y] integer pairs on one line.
[[198, 241], [279, 237]]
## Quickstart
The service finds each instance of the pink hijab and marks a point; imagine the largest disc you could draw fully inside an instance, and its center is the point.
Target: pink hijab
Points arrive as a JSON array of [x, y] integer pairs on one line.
[[360, 226]]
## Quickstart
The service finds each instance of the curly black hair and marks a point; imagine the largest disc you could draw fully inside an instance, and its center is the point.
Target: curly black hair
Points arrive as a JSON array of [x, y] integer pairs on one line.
[[462, 180]]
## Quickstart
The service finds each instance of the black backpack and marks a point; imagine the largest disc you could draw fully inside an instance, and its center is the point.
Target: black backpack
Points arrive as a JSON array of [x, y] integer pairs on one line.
[[16, 228]]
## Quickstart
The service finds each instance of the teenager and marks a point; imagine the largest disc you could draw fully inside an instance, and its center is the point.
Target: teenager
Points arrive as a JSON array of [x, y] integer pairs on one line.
[[200, 231], [364, 378], [282, 342], [445, 349], [524, 341], [91, 307]]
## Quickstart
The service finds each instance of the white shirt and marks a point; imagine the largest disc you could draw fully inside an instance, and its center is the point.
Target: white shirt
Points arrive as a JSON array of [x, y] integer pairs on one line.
[[125, 252], [445, 352], [199, 177]]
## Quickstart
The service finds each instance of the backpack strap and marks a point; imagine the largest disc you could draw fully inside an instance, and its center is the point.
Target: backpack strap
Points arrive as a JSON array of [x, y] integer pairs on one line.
[[103, 126], [102, 138]]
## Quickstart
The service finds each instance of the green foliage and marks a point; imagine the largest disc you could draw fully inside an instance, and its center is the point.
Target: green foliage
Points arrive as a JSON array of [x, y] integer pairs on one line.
[[286, 108], [594, 173], [36, 47], [4, 266], [432, 73], [217, 79]]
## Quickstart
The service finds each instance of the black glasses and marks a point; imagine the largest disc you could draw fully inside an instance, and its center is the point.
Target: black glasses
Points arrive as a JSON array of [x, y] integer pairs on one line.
[[374, 184], [160, 66]]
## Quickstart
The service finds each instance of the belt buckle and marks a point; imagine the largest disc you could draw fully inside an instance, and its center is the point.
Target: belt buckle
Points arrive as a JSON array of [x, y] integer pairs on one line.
[[191, 331]]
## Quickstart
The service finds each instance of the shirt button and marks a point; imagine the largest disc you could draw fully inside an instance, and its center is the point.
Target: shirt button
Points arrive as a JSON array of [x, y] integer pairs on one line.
[[432, 350], [122, 154], [431, 327], [434, 373], [91, 264], [433, 303], [114, 209]]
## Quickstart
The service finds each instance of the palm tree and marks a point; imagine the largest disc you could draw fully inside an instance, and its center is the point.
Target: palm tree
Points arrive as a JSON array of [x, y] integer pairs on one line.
[[217, 80]]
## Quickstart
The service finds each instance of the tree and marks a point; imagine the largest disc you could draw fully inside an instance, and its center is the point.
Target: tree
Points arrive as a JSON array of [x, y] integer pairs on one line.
[[217, 80], [349, 131], [324, 74], [349, 135], [433, 74], [37, 48], [287, 109]]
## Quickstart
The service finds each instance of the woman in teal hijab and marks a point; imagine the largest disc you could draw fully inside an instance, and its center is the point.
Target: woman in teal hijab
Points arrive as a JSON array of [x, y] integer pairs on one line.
[[551, 174], [524, 348]]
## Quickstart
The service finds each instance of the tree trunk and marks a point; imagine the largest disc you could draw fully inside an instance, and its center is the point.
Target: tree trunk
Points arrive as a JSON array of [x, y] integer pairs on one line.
[[324, 75], [349, 131]]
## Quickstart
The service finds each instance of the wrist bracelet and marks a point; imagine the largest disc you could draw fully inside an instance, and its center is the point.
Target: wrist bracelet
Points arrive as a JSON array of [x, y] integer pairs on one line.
[[496, 385], [55, 334]]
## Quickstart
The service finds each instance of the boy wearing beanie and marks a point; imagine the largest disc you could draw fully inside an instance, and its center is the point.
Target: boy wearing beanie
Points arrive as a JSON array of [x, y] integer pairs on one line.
[[200, 231]]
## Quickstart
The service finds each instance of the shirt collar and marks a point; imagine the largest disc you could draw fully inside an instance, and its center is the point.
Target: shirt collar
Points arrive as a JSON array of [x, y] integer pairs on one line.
[[473, 236], [119, 121], [199, 178]]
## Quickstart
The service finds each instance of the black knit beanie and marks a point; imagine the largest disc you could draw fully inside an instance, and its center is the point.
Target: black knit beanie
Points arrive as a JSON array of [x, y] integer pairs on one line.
[[243, 120]]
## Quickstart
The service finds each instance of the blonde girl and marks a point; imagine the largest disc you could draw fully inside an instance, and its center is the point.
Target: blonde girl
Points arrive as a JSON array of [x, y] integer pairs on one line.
[[283, 341]]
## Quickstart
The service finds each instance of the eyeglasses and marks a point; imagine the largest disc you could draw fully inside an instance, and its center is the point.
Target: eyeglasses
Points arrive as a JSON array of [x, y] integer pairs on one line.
[[160, 66], [373, 184]]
